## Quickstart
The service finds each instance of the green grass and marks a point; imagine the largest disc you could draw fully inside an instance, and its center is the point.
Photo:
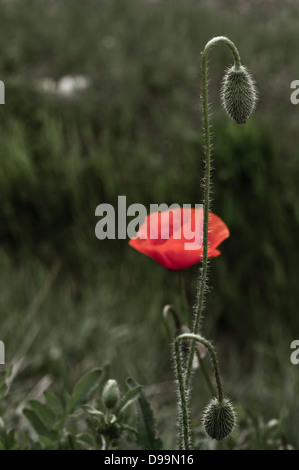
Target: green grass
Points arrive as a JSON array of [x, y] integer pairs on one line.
[[69, 302]]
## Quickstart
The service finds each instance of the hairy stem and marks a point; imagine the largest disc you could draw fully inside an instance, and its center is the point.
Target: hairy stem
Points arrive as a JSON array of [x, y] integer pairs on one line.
[[188, 317], [184, 412], [213, 354], [207, 138], [168, 309]]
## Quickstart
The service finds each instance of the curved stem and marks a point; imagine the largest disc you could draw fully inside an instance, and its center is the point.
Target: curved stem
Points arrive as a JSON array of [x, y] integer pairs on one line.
[[226, 41], [207, 137], [210, 348], [166, 310]]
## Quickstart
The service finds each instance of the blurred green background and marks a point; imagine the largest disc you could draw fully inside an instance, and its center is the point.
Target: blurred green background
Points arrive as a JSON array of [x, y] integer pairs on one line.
[[68, 301]]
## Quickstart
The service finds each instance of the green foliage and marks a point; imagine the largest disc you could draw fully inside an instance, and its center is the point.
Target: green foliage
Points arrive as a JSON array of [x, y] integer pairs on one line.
[[56, 424], [54, 403], [83, 389], [38, 424], [127, 399], [3, 382], [146, 422]]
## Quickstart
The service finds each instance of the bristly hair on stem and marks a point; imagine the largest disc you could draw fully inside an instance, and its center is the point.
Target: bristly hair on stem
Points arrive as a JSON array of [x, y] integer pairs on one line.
[[239, 99], [183, 391], [183, 398], [248, 95]]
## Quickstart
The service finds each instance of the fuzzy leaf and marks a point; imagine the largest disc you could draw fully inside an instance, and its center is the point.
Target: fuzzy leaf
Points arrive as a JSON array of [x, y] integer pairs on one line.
[[84, 389], [38, 425], [146, 428], [44, 413], [86, 441], [54, 403], [128, 399], [94, 413]]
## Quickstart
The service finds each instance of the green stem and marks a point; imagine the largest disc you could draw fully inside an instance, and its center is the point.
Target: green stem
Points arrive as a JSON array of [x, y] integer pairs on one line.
[[184, 412], [207, 137], [210, 348], [188, 316], [166, 310]]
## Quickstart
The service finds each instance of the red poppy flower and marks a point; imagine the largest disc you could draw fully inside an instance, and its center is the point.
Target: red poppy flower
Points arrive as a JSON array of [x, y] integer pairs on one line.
[[167, 237]]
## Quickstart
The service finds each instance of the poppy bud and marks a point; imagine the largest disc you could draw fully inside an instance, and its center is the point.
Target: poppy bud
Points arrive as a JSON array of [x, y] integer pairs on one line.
[[238, 94], [219, 418], [110, 394]]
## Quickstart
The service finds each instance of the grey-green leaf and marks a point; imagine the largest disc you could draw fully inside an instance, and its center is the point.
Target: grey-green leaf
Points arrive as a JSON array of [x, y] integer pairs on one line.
[[54, 403], [38, 425], [45, 414], [146, 428], [85, 440], [94, 413], [84, 389], [128, 399], [3, 384]]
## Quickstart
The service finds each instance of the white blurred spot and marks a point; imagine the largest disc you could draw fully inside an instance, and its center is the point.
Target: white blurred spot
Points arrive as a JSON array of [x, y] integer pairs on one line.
[[69, 85]]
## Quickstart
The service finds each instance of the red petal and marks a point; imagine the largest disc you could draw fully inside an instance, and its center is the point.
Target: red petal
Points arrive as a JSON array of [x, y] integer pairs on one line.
[[172, 253]]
